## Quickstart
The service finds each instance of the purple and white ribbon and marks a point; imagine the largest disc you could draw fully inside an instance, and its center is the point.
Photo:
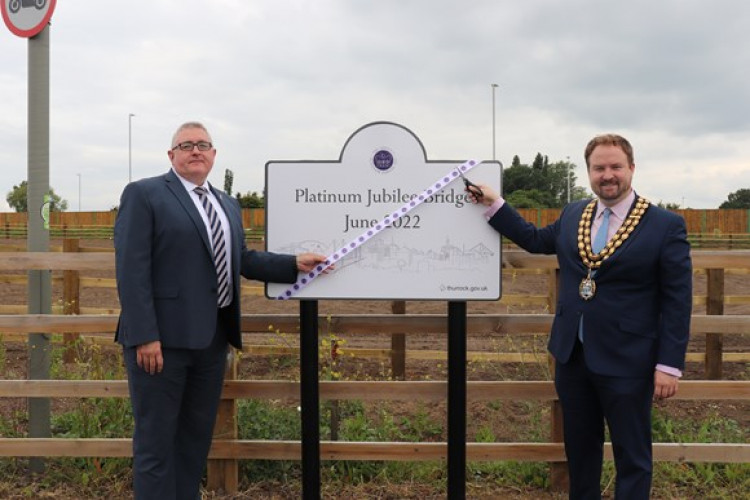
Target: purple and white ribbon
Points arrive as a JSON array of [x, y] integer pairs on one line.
[[360, 240]]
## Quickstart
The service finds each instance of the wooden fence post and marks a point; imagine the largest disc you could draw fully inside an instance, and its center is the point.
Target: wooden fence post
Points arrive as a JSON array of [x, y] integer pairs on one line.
[[398, 345], [558, 470], [223, 474], [71, 301], [714, 341]]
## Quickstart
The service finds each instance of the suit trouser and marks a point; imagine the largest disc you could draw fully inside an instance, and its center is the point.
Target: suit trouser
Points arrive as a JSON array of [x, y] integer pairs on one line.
[[587, 399], [175, 412]]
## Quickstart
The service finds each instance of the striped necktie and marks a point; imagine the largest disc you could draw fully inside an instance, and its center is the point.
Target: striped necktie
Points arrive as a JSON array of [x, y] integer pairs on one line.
[[219, 248]]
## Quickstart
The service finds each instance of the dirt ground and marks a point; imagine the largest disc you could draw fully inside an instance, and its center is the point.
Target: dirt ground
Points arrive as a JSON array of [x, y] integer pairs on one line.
[[499, 420]]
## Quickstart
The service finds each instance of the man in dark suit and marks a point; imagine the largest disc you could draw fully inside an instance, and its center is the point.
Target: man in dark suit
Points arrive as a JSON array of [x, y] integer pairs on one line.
[[623, 315], [180, 251]]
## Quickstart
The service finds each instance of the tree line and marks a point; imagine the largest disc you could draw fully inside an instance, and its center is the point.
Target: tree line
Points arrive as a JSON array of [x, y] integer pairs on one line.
[[543, 184]]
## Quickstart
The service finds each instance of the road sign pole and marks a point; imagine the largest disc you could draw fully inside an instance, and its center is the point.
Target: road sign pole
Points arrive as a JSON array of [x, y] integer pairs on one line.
[[31, 20], [39, 287]]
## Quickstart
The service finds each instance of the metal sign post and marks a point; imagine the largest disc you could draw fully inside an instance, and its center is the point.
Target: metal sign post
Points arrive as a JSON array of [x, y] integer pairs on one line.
[[309, 399], [39, 287], [30, 19], [456, 400]]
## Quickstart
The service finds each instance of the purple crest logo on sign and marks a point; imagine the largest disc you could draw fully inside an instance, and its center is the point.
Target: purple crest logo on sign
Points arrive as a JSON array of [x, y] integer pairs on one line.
[[382, 160]]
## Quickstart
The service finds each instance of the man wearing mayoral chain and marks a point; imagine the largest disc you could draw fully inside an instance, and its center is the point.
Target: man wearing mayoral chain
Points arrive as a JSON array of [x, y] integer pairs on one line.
[[622, 320]]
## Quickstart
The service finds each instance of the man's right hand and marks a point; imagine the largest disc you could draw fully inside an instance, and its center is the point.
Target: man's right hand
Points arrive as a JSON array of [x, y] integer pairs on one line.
[[489, 196], [149, 358]]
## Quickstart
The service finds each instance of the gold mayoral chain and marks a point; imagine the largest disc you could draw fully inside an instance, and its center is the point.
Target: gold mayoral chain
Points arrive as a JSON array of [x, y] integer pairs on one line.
[[587, 288]]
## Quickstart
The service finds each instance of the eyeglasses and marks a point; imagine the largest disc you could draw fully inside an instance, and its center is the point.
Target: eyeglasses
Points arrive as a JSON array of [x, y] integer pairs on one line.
[[189, 145]]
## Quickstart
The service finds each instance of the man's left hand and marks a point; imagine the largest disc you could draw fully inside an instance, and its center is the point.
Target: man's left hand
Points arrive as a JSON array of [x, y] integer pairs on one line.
[[665, 385]]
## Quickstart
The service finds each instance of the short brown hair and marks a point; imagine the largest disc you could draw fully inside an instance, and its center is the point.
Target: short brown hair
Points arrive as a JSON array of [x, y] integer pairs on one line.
[[609, 140]]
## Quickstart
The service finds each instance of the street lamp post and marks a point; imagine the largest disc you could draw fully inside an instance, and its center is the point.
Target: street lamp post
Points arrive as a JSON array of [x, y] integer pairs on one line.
[[494, 86], [79, 192], [130, 147]]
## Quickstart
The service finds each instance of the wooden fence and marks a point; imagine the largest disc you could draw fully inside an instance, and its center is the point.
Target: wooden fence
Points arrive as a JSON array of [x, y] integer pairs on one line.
[[706, 222], [714, 301], [698, 221], [226, 450], [252, 218]]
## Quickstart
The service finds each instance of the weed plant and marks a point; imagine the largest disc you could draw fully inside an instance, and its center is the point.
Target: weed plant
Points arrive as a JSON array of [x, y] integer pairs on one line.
[[379, 421], [696, 479], [79, 419]]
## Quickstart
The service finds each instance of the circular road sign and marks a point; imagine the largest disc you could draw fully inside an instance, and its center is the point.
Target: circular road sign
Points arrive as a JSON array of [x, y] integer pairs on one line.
[[27, 18]]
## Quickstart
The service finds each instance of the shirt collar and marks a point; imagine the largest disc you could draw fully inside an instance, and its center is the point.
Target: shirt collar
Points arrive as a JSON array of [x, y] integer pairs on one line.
[[620, 209], [189, 186]]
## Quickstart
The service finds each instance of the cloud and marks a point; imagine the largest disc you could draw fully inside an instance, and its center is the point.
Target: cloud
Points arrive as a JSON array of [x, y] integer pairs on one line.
[[294, 79]]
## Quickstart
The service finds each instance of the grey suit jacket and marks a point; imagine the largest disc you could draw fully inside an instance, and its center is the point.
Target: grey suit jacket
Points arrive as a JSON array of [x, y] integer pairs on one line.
[[166, 279]]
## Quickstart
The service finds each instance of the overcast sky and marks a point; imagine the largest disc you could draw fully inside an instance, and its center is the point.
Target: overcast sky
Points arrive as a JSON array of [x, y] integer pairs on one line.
[[278, 79]]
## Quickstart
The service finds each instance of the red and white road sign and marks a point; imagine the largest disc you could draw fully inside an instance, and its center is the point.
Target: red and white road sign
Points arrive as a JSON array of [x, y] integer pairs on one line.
[[27, 18]]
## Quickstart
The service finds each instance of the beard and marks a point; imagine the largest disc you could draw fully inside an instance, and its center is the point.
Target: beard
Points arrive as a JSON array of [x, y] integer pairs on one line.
[[613, 190]]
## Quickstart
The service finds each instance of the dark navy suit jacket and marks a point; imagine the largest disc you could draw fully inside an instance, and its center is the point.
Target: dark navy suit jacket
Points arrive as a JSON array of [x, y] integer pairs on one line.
[[640, 315], [166, 278]]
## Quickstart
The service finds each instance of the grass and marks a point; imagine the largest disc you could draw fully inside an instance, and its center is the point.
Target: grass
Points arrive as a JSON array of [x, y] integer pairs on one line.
[[493, 421], [709, 480]]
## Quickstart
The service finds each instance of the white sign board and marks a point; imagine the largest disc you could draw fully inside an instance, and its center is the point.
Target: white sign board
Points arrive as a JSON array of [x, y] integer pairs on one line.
[[442, 249], [27, 18]]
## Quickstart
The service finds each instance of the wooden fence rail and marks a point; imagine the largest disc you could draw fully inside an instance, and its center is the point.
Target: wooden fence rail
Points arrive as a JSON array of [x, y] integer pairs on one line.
[[20, 231], [356, 323], [61, 261], [223, 449], [231, 450], [737, 390], [714, 324], [714, 222]]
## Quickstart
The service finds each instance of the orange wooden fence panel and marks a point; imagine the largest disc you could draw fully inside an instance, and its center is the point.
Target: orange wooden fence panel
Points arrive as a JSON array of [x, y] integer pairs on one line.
[[711, 221]]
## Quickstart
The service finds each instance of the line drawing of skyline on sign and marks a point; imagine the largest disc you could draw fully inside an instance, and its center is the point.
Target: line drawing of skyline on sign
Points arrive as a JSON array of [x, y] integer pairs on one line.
[[389, 255]]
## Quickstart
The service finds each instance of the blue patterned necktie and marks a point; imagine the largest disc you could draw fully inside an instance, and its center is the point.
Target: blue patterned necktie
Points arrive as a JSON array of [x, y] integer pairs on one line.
[[219, 248], [601, 234], [599, 241]]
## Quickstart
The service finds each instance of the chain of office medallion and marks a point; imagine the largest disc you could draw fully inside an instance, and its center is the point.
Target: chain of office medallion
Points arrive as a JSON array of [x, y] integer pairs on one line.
[[589, 258]]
